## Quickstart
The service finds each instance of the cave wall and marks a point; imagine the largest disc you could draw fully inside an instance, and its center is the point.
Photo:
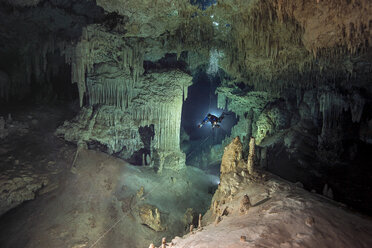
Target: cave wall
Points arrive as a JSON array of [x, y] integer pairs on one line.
[[300, 62], [109, 71], [317, 137]]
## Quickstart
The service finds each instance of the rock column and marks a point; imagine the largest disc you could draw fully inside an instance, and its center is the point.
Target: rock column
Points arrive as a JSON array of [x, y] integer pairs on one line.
[[250, 162]]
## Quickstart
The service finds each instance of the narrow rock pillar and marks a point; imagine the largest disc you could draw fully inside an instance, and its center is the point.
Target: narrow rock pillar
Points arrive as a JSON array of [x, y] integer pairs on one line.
[[250, 162]]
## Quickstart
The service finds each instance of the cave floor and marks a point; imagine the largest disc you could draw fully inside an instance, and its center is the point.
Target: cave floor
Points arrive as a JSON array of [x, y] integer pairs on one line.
[[91, 201], [96, 200], [103, 194], [33, 161]]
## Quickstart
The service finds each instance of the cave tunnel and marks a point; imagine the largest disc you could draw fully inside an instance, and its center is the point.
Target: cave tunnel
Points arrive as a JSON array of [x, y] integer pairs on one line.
[[100, 107], [197, 142]]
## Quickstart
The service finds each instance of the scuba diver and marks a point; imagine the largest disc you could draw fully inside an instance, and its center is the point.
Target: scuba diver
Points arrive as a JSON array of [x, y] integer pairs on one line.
[[214, 120]]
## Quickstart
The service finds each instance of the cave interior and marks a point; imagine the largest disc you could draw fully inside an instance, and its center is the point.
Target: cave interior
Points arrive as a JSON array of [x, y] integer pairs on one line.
[[100, 103]]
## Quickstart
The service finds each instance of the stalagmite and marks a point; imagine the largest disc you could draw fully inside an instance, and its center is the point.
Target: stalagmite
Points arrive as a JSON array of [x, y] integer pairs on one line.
[[250, 162], [245, 204], [163, 243], [191, 228], [200, 222]]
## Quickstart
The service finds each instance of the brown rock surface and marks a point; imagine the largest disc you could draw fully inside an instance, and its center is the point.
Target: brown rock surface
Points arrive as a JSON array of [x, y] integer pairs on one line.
[[150, 216], [232, 160], [19, 186]]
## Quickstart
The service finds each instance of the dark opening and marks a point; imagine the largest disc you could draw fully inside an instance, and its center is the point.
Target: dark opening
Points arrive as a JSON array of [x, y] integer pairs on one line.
[[203, 4], [147, 135], [169, 61], [202, 100]]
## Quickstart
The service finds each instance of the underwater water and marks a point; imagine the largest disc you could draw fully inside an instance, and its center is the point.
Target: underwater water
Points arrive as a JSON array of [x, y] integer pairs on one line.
[[203, 4]]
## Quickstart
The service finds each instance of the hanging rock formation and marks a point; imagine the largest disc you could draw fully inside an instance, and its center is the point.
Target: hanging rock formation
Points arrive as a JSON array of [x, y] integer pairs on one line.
[[156, 99]]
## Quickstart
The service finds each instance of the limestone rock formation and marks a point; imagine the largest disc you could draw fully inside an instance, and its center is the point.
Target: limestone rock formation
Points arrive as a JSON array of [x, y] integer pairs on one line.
[[278, 213], [106, 125], [274, 118], [232, 160], [267, 44], [303, 130], [189, 219], [251, 155], [262, 206], [245, 204], [241, 102], [19, 186], [155, 100], [235, 175], [150, 216]]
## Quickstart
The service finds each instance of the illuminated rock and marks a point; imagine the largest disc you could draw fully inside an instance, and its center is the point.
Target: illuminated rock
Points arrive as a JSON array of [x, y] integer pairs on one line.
[[156, 100], [150, 216]]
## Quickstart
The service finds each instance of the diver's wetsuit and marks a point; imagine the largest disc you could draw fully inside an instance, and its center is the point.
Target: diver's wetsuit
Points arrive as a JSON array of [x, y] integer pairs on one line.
[[214, 120]]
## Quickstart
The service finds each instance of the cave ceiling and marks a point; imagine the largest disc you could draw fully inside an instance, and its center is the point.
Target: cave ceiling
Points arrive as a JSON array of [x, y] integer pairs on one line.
[[259, 41]]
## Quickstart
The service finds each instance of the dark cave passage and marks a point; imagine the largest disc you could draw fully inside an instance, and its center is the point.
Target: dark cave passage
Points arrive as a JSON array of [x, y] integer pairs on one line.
[[203, 4], [202, 100], [45, 88]]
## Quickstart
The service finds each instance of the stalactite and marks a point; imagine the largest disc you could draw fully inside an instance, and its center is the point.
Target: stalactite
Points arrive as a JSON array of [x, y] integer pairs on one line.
[[356, 102], [33, 64], [109, 92], [221, 100], [80, 59], [185, 92], [133, 57], [332, 105]]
